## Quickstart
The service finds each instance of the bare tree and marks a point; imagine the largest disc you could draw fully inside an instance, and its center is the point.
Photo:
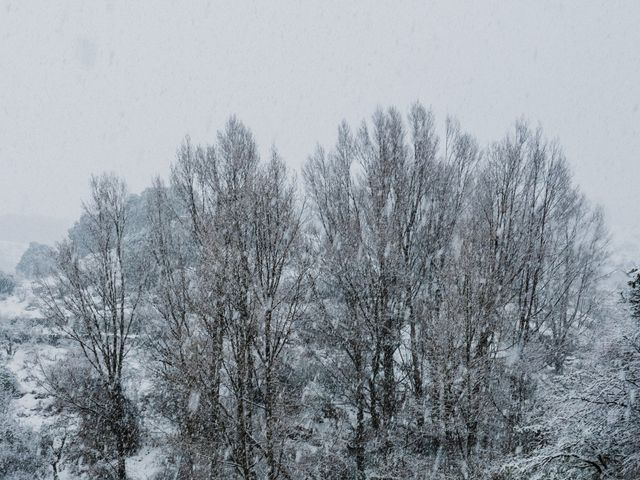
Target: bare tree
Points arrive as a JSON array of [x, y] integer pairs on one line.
[[280, 270], [91, 299], [341, 290], [387, 211], [229, 294]]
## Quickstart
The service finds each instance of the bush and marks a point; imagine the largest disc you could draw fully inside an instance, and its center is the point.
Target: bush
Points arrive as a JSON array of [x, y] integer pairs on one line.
[[8, 384], [7, 284], [100, 427], [103, 414], [19, 456]]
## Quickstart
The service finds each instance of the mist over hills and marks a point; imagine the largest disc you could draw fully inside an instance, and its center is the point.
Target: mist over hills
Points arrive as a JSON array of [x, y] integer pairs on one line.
[[17, 231]]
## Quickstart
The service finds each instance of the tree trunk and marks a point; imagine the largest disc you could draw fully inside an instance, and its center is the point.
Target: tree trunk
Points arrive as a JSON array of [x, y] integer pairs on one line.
[[122, 466], [359, 439], [272, 471], [389, 381]]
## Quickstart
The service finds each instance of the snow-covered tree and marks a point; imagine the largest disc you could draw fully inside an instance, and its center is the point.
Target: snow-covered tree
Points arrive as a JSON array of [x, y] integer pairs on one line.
[[91, 299], [587, 425]]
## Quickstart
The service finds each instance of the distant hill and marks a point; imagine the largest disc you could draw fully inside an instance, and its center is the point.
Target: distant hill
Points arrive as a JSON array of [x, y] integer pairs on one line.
[[17, 231]]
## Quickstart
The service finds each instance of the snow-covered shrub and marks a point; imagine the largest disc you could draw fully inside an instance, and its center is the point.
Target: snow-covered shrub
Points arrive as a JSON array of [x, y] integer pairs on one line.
[[8, 384], [19, 456], [99, 415], [587, 423], [7, 284]]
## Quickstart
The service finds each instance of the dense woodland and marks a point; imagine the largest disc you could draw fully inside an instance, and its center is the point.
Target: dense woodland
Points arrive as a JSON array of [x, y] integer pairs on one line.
[[413, 306]]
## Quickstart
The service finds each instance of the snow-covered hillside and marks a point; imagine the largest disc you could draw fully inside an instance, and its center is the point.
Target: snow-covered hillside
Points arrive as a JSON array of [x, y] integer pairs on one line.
[[29, 347]]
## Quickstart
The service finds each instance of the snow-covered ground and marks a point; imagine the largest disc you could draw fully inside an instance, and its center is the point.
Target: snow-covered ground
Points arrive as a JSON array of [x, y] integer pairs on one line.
[[31, 351]]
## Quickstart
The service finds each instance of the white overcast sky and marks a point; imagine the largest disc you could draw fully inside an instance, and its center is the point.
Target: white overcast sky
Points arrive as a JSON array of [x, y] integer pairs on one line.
[[88, 86]]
